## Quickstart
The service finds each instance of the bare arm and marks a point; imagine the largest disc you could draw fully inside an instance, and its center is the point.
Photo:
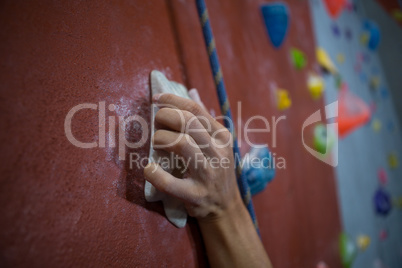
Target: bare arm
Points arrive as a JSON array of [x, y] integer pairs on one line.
[[210, 193]]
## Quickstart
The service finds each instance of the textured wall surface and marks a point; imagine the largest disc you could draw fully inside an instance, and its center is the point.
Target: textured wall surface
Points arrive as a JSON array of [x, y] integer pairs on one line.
[[67, 206]]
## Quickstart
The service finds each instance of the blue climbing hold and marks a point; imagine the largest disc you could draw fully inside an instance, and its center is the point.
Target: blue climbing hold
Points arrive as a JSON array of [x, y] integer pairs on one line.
[[384, 93], [258, 168], [372, 33], [391, 126], [335, 30], [276, 18], [382, 202], [348, 34]]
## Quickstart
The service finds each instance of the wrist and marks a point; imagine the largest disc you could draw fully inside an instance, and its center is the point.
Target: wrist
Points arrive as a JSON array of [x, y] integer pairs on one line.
[[234, 213], [231, 239]]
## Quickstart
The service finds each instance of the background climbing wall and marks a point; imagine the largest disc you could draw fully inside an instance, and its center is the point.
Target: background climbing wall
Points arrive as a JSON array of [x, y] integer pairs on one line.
[[366, 151], [62, 205]]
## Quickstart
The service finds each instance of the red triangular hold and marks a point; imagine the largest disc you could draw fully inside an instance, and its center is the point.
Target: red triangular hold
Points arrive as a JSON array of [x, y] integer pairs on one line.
[[353, 112], [334, 7]]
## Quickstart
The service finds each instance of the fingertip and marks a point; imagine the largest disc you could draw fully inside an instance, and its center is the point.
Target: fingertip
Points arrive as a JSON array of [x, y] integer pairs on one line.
[[150, 169], [156, 97]]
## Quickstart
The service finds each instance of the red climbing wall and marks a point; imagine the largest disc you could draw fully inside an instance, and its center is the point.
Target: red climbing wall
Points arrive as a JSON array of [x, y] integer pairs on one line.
[[66, 206]]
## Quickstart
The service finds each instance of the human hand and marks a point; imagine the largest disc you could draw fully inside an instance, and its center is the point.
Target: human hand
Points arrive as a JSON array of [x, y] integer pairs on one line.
[[187, 130]]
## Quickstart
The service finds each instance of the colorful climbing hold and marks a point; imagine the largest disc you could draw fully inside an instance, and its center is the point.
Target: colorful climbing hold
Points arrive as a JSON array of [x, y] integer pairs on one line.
[[382, 176], [384, 93], [364, 38], [340, 58], [376, 125], [338, 81], [374, 82], [315, 85], [393, 160], [383, 234], [391, 126], [283, 100], [382, 202], [276, 18], [371, 34], [323, 140], [347, 250], [353, 112], [350, 6], [397, 14], [362, 242], [258, 173], [334, 7], [397, 202], [299, 59], [325, 61], [335, 29]]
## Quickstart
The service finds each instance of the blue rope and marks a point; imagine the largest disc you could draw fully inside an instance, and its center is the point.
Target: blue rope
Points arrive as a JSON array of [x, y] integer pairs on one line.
[[224, 104]]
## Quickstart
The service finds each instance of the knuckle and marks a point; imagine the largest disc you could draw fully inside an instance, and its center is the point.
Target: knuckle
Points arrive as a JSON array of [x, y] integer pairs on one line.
[[193, 107], [190, 119], [199, 198], [187, 115]]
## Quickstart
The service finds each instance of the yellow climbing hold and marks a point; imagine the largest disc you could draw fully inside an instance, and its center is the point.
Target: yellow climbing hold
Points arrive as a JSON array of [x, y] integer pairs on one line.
[[364, 38], [363, 241], [325, 61], [283, 100], [376, 124], [315, 85], [398, 202], [397, 14], [374, 82], [393, 160], [340, 58]]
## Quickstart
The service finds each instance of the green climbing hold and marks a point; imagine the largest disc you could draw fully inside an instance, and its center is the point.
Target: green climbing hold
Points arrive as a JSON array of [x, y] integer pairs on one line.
[[338, 81], [298, 58], [323, 140], [347, 250]]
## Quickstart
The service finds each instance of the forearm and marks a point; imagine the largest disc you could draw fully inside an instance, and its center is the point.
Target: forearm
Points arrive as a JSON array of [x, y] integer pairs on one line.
[[232, 241]]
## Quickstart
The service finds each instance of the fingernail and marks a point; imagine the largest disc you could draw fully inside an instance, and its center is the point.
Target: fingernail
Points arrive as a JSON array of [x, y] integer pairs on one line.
[[156, 97], [148, 165]]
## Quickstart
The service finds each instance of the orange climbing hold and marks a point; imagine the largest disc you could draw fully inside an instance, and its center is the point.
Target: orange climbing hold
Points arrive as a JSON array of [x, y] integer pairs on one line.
[[334, 7], [353, 112]]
